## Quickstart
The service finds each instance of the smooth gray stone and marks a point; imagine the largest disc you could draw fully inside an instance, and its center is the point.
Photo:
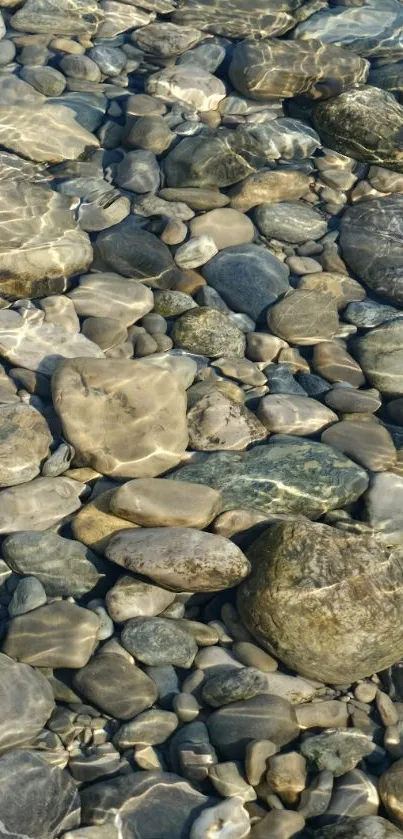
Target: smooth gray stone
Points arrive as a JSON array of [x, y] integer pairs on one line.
[[365, 123], [268, 480], [209, 56], [380, 355], [354, 794], [369, 313], [281, 380], [233, 686], [7, 52], [290, 221], [138, 172], [59, 17], [374, 31], [157, 641], [45, 803], [261, 718], [45, 79], [90, 766], [111, 60], [26, 700], [139, 799], [191, 753], [88, 108], [135, 253], [166, 678], [65, 567], [241, 19], [29, 595], [290, 139], [115, 685], [338, 750], [220, 159], [363, 827], [248, 278], [372, 245]]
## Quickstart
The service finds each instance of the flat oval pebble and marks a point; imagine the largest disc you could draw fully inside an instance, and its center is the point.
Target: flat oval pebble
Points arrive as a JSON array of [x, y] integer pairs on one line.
[[61, 635], [153, 502], [158, 641], [180, 558], [115, 685]]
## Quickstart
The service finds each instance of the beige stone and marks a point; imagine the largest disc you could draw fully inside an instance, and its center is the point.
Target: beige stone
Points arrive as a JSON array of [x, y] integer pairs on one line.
[[217, 423], [110, 295], [59, 634], [124, 418], [237, 521], [242, 369], [24, 442], [158, 502], [268, 187], [39, 504], [304, 318], [286, 776], [189, 84], [29, 341], [94, 524], [344, 289], [368, 443], [350, 400], [263, 347], [132, 598], [391, 792], [282, 413], [335, 364], [327, 714], [60, 310], [44, 133], [180, 559], [278, 824], [227, 227]]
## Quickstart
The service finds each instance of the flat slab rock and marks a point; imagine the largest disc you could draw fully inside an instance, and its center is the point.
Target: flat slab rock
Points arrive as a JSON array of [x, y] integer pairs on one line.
[[38, 504], [44, 133], [47, 803], [29, 341], [26, 701], [124, 418], [309, 478], [61, 17], [41, 244], [139, 799]]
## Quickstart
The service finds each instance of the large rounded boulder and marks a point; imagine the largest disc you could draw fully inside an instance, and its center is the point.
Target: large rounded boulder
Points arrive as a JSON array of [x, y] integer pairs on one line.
[[326, 603]]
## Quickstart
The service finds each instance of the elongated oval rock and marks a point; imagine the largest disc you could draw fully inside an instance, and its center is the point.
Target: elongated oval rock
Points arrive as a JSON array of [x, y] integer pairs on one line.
[[124, 418], [180, 559], [324, 602], [157, 502], [38, 504]]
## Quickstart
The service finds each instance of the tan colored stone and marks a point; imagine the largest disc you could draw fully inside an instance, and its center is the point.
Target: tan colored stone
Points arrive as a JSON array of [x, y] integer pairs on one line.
[[268, 187], [327, 714], [286, 776], [263, 347], [39, 504], [110, 295], [351, 400], [368, 443], [242, 369], [237, 521], [344, 289], [188, 83], [124, 418], [44, 133], [278, 824], [335, 364], [227, 227], [24, 442], [59, 634], [294, 360], [304, 318], [391, 792], [132, 598], [158, 502], [95, 524], [217, 423], [283, 413], [180, 559]]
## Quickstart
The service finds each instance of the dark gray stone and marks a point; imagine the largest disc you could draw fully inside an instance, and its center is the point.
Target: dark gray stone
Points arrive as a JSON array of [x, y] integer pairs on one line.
[[262, 718], [372, 245], [29, 595], [359, 828], [37, 800], [133, 252], [281, 380], [380, 355], [233, 686], [141, 799], [369, 313], [158, 640], [248, 278], [26, 701], [215, 160], [290, 221]]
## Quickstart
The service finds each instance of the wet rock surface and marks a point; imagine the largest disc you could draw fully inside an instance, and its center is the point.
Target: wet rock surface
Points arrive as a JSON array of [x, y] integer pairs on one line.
[[201, 419]]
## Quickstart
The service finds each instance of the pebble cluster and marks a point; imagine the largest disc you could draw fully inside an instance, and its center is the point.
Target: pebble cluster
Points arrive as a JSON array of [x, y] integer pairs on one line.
[[201, 419]]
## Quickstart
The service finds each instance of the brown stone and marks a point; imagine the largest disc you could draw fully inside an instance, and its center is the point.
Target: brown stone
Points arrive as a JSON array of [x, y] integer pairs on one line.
[[59, 634], [283, 413], [304, 318], [158, 502], [344, 289], [95, 524], [217, 423], [335, 364], [368, 443]]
